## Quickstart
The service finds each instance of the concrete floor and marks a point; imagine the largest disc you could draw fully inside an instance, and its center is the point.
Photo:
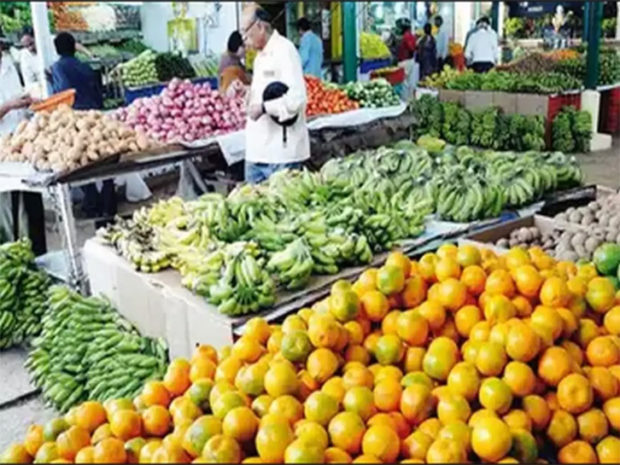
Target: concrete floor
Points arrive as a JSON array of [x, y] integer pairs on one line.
[[20, 404]]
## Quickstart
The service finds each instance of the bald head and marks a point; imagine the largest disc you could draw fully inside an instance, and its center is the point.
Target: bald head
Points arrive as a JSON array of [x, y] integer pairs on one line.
[[255, 26]]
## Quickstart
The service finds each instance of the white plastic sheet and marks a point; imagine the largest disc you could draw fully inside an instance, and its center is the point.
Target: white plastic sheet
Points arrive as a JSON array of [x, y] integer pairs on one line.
[[356, 117]]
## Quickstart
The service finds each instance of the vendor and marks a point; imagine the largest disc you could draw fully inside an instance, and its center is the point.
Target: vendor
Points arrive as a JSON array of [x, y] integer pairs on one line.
[[405, 53], [231, 67], [482, 49], [310, 49], [70, 73], [21, 213], [442, 39], [276, 133]]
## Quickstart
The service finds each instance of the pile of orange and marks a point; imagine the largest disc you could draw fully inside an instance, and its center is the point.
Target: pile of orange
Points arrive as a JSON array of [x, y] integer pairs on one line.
[[460, 356]]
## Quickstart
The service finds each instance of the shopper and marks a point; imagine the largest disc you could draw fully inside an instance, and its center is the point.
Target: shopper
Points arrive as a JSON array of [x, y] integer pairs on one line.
[[405, 53], [231, 65], [21, 213], [276, 132], [28, 64], [427, 52], [70, 73], [442, 41], [482, 49], [310, 49]]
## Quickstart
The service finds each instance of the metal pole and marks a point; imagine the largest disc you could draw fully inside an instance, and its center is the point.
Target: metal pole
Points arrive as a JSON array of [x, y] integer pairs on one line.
[[594, 39], [349, 33], [495, 16]]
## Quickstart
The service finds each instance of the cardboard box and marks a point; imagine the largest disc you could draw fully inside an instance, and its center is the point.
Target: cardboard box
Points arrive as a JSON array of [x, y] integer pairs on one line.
[[506, 101], [478, 99], [532, 104], [448, 95]]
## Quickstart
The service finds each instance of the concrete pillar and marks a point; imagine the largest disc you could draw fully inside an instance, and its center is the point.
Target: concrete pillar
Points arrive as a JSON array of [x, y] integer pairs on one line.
[[463, 17], [43, 40]]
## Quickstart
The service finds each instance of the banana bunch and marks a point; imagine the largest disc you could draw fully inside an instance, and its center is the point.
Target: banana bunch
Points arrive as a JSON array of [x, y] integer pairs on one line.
[[330, 251], [215, 212], [465, 203], [292, 266], [200, 269], [165, 211], [87, 351], [22, 294], [243, 286]]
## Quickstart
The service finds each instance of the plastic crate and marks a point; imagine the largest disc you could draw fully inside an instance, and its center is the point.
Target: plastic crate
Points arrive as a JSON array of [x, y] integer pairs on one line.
[[609, 114], [367, 66], [394, 77], [132, 94]]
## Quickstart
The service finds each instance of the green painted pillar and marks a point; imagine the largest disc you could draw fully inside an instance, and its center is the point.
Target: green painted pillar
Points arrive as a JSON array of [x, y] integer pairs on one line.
[[594, 40], [586, 21], [349, 39], [495, 16]]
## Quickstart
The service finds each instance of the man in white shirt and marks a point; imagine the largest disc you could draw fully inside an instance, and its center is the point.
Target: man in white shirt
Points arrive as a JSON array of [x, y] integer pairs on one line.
[[28, 64], [276, 133], [441, 39], [21, 213], [482, 49]]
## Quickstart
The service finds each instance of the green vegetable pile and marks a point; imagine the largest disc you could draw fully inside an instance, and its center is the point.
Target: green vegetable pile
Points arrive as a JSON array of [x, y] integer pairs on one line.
[[140, 70], [376, 93], [133, 46], [170, 65], [22, 294], [572, 130], [204, 66], [488, 128], [609, 67], [87, 351]]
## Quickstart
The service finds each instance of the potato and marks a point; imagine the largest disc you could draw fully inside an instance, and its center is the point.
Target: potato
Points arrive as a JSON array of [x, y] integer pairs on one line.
[[575, 217], [591, 244], [578, 239]]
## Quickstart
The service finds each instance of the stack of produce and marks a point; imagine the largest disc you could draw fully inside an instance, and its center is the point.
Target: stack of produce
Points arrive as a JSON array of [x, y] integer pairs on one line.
[[324, 99], [184, 112], [372, 47], [607, 261], [170, 65], [140, 70], [204, 66], [376, 93], [22, 294], [87, 351], [572, 130], [99, 17], [67, 18], [601, 213], [459, 357], [66, 139], [133, 46], [127, 16], [14, 16], [609, 67]]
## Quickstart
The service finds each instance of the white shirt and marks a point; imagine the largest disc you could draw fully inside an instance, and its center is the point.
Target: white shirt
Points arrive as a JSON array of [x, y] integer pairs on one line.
[[29, 68], [10, 88], [442, 42], [482, 46], [278, 61]]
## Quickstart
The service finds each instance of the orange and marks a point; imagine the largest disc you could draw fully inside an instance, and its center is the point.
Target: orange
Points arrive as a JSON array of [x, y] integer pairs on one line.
[[16, 453], [600, 294], [375, 305], [447, 268], [523, 306], [356, 332], [148, 450], [357, 353], [468, 255], [575, 393], [249, 380], [417, 377], [412, 328], [604, 383], [413, 359], [520, 378], [256, 328], [466, 318], [344, 306], [360, 400], [336, 455], [474, 278], [562, 428], [320, 408], [157, 421], [304, 451], [260, 405], [414, 292], [495, 395], [387, 394], [500, 282], [527, 280], [416, 403], [390, 279], [34, 439], [382, 442], [288, 407], [357, 376], [480, 332], [389, 349], [469, 350], [46, 453], [199, 432], [323, 330], [89, 415], [388, 372], [491, 359], [104, 431], [202, 368], [133, 448], [569, 322], [447, 250], [516, 258], [574, 351], [85, 455], [240, 424], [446, 451], [522, 342], [441, 356], [592, 425], [464, 380], [612, 411], [426, 266], [431, 427], [368, 279], [225, 371], [554, 364], [491, 439], [280, 380], [434, 313], [457, 431], [498, 309], [538, 411], [126, 424], [222, 449], [176, 378], [226, 402], [608, 450], [365, 458], [273, 343], [169, 452], [524, 448], [334, 387], [603, 351], [453, 407], [577, 452], [554, 293], [155, 393], [518, 419], [586, 331], [321, 365], [110, 450], [346, 431], [612, 320], [415, 446], [399, 260], [452, 294], [401, 426], [293, 323]]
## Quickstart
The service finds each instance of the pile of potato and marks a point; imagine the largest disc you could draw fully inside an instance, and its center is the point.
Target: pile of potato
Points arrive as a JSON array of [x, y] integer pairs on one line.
[[66, 139], [604, 212], [563, 245]]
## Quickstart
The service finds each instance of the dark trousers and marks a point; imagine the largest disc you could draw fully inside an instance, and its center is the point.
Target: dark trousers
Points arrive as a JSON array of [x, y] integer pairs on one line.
[[33, 205], [97, 203], [482, 66]]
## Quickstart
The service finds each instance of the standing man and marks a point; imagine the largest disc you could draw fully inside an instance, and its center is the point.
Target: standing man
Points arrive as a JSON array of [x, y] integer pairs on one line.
[[310, 49], [442, 42], [29, 65], [482, 49], [405, 53], [276, 133]]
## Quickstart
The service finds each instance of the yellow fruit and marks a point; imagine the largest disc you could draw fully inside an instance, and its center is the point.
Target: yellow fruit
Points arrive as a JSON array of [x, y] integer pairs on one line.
[[491, 439]]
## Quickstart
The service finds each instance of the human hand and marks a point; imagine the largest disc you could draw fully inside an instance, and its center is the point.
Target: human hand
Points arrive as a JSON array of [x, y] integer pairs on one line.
[[20, 102], [255, 111]]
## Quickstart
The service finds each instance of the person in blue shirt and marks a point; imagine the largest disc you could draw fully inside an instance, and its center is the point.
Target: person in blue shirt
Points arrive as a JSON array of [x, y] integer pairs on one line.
[[310, 49], [70, 73]]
